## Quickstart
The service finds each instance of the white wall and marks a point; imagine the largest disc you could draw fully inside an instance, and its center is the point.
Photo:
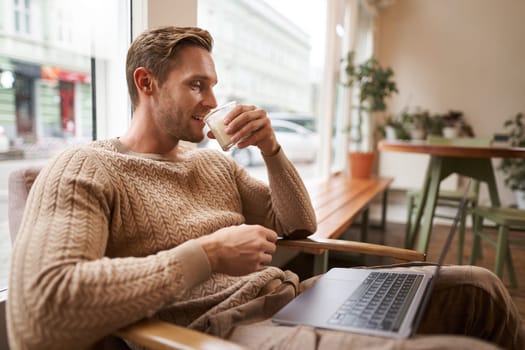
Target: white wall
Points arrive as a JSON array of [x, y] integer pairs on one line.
[[172, 12], [153, 13], [466, 55]]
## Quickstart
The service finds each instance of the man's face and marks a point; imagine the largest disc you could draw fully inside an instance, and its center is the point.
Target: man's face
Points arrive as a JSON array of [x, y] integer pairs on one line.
[[186, 96]]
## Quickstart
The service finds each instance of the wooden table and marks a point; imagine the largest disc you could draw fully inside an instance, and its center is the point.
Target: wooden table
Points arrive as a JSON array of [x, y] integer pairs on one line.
[[337, 202], [474, 162]]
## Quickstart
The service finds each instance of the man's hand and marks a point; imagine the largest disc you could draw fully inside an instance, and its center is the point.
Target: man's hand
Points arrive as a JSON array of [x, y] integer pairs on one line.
[[239, 250], [252, 126]]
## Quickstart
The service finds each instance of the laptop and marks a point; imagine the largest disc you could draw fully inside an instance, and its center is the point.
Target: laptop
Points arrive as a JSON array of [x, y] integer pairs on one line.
[[381, 302]]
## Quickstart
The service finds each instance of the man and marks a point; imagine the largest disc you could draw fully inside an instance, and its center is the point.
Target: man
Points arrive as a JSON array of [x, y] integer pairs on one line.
[[120, 229], [145, 226]]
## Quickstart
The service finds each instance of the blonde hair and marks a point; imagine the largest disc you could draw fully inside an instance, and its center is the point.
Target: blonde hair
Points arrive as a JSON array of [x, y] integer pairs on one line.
[[156, 50]]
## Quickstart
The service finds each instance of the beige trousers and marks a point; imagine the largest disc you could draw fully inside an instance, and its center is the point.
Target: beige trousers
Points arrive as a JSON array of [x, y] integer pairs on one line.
[[470, 309]]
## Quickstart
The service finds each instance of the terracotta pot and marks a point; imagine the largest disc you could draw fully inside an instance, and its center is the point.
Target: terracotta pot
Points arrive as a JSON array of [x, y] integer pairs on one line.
[[361, 164]]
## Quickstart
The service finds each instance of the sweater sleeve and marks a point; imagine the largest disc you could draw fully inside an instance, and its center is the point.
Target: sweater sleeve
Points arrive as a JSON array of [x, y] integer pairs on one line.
[[64, 293], [285, 205]]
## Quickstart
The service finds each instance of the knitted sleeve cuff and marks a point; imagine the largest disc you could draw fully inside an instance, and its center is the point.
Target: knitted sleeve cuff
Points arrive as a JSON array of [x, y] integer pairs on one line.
[[194, 263]]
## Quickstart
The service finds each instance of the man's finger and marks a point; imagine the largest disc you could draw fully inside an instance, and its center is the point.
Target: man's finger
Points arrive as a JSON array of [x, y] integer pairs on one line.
[[271, 236]]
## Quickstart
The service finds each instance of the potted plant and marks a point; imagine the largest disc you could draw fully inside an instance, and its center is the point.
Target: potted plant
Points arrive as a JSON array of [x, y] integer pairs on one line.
[[435, 126], [453, 125], [373, 84], [394, 129], [514, 168], [416, 123]]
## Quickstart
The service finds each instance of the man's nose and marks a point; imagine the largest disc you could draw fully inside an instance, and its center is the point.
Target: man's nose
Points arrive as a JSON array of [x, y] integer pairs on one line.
[[210, 101]]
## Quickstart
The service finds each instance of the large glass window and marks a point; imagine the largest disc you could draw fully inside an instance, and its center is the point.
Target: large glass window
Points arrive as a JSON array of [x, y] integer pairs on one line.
[[270, 54], [55, 56]]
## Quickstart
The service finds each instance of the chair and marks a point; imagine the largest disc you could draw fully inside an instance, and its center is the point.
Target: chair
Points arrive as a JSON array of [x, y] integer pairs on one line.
[[155, 334], [506, 219], [447, 199]]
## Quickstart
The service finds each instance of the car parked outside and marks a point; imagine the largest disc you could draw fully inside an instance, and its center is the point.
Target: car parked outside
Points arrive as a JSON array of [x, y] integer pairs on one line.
[[299, 143], [306, 120]]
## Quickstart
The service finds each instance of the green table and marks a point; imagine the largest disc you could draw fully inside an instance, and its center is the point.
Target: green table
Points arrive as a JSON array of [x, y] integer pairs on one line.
[[474, 162]]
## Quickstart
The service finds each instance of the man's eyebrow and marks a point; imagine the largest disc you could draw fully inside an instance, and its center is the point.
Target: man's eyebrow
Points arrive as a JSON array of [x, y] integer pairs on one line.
[[200, 77]]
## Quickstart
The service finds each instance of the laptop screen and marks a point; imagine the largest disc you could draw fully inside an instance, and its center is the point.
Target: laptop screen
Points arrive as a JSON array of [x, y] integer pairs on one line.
[[443, 254]]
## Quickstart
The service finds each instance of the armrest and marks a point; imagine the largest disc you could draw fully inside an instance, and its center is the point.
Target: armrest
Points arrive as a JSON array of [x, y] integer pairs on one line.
[[354, 247], [159, 335]]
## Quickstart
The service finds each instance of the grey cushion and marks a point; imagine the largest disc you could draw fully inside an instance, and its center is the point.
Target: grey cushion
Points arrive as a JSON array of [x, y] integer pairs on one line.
[[19, 184]]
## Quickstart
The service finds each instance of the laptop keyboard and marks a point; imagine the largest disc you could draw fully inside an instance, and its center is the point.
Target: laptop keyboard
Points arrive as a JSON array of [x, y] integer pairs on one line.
[[380, 302]]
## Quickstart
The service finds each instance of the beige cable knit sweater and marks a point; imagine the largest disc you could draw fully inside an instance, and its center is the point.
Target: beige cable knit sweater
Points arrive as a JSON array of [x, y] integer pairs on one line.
[[106, 240]]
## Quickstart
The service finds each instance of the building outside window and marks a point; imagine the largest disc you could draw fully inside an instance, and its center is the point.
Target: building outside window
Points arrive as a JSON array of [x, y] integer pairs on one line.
[[49, 50], [263, 57]]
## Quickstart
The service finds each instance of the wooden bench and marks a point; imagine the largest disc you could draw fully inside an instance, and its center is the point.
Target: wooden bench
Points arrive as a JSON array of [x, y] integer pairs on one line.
[[338, 201]]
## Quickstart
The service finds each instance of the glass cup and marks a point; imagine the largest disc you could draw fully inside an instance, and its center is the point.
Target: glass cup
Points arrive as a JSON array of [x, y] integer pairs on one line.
[[215, 121]]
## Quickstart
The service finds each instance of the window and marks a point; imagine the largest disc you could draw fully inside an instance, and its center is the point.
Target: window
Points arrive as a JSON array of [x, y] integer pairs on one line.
[[267, 54], [22, 16], [47, 83]]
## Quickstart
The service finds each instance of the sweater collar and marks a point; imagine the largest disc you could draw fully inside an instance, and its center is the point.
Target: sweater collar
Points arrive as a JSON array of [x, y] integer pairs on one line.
[[121, 148]]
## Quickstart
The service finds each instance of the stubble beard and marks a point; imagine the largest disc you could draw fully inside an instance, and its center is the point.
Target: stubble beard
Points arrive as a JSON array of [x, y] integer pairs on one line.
[[172, 120], [172, 124]]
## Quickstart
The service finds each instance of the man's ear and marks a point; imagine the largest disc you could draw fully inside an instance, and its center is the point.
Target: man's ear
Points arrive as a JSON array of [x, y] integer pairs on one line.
[[144, 81]]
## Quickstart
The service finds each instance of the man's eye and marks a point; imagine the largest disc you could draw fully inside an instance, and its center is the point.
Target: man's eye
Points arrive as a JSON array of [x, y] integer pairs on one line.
[[196, 85]]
